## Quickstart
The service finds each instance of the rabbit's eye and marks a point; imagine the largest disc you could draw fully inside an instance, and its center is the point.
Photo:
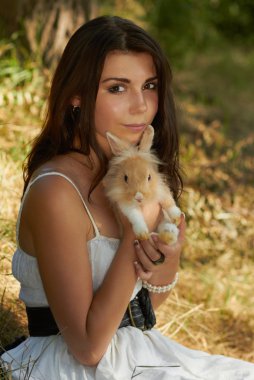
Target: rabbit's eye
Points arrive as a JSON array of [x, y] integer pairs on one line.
[[149, 177], [126, 178]]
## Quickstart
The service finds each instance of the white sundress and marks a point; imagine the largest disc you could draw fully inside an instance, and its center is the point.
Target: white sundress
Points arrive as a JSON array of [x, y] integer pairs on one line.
[[131, 354]]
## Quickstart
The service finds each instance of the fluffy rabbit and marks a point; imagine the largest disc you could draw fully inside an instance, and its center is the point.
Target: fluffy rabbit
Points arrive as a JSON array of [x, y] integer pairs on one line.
[[133, 179]]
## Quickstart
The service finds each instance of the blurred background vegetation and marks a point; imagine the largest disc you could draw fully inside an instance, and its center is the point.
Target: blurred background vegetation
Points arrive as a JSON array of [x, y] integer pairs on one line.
[[209, 44]]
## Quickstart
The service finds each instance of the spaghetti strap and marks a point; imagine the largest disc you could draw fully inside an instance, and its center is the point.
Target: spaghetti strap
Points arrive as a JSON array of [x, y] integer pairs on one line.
[[97, 233]]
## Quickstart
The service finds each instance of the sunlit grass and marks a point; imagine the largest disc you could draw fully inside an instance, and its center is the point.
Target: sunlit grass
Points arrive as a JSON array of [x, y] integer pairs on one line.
[[212, 307]]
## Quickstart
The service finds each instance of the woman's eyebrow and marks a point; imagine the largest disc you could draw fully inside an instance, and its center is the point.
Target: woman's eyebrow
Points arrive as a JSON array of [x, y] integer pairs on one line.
[[125, 80], [151, 79]]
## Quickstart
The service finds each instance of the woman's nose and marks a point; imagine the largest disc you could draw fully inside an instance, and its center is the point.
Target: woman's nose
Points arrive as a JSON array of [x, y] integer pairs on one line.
[[138, 103]]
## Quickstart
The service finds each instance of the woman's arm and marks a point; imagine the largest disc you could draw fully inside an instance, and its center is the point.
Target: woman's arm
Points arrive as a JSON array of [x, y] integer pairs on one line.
[[58, 223]]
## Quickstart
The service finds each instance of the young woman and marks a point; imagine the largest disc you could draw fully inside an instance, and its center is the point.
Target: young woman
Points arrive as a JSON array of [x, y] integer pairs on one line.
[[89, 316]]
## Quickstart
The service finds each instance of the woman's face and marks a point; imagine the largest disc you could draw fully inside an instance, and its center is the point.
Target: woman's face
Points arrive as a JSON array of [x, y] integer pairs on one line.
[[127, 99]]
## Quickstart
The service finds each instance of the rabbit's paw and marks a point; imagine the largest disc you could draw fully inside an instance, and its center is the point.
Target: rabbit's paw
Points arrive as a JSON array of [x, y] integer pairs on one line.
[[168, 233], [143, 236], [174, 213], [141, 232]]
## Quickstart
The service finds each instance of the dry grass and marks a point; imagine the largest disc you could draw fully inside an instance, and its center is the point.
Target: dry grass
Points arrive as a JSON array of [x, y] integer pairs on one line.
[[212, 307], [13, 146], [11, 311]]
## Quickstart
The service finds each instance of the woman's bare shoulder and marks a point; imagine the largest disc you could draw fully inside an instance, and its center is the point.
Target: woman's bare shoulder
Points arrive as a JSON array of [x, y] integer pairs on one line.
[[52, 201], [62, 168], [64, 164], [55, 185]]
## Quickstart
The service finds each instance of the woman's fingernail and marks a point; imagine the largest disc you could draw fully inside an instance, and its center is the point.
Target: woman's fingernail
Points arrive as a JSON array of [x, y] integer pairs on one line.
[[136, 243], [183, 214], [155, 237]]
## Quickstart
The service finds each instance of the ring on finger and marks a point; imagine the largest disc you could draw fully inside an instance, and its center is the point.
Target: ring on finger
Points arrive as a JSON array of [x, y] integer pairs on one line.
[[160, 260]]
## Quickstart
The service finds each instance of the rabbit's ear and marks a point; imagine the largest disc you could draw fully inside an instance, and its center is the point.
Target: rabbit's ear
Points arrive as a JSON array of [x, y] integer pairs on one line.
[[117, 145], [147, 139]]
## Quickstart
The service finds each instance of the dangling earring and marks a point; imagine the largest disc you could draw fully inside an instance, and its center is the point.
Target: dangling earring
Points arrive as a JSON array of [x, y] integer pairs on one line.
[[75, 110]]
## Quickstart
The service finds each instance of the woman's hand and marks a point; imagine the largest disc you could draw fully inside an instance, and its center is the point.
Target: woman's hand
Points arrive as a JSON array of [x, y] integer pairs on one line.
[[148, 251]]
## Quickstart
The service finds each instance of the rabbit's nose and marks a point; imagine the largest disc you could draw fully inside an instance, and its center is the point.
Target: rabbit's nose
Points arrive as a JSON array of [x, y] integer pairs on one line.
[[139, 196]]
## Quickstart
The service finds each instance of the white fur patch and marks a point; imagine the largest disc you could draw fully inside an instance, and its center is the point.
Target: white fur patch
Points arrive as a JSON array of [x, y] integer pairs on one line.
[[174, 213], [136, 218], [169, 227], [140, 229]]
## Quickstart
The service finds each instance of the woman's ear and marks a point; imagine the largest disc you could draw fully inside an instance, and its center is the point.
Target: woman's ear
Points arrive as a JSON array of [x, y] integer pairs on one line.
[[75, 101]]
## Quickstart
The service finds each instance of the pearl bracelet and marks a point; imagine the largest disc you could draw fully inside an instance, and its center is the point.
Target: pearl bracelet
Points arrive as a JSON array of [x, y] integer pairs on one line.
[[160, 289]]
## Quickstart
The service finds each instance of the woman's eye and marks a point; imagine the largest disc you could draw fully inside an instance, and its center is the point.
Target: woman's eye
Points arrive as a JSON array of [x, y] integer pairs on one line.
[[126, 178], [116, 89], [149, 177], [150, 86]]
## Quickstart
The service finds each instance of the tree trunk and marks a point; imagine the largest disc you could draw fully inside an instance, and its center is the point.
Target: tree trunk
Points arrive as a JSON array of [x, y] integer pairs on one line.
[[48, 24]]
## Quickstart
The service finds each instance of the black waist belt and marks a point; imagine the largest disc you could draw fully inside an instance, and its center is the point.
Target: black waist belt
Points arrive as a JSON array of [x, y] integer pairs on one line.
[[139, 314], [41, 321]]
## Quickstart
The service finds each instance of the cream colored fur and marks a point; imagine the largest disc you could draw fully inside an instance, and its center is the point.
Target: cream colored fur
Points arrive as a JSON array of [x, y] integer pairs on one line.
[[133, 179]]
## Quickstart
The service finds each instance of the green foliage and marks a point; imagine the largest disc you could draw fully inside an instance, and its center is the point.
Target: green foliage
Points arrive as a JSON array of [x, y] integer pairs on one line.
[[22, 81], [181, 26], [192, 26], [234, 19]]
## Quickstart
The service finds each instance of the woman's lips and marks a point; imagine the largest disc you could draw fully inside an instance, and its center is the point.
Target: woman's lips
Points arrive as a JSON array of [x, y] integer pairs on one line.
[[135, 127]]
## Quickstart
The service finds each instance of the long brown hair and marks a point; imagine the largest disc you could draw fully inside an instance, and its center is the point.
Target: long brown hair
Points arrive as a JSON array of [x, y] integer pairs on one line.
[[78, 74]]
